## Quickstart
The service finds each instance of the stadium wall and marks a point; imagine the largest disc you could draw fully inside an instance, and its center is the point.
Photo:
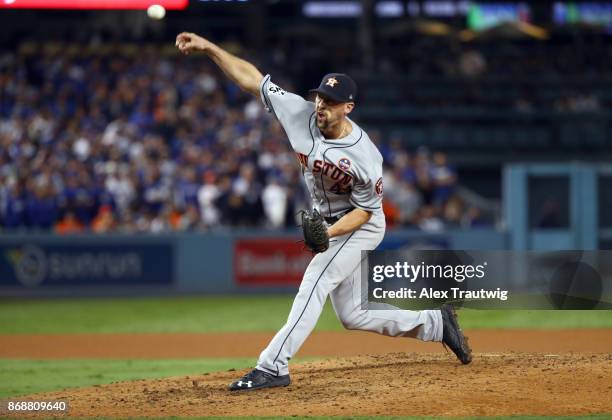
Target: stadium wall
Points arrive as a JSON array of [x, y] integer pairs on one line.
[[221, 263]]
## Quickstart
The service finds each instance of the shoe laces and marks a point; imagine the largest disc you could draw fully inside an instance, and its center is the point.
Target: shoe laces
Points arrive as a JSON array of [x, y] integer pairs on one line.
[[251, 375], [254, 374]]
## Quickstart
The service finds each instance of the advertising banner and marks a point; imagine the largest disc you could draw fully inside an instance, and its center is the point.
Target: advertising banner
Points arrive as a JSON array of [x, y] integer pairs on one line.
[[40, 264], [270, 261]]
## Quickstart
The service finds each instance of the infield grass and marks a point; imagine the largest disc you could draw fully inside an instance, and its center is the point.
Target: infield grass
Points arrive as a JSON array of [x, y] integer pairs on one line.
[[229, 314], [193, 315], [22, 377]]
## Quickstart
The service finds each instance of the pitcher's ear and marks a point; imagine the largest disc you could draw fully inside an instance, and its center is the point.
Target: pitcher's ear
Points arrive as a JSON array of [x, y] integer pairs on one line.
[[348, 107]]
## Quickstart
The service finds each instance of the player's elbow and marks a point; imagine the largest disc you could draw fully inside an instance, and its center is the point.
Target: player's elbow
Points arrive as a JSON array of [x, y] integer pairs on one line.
[[252, 86], [253, 90], [364, 215], [252, 82]]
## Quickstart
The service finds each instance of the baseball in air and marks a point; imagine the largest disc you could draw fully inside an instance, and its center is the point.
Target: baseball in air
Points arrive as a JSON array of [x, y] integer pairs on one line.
[[156, 12]]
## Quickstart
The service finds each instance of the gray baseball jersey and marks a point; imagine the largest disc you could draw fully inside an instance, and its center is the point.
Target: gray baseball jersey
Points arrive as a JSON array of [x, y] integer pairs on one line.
[[340, 174]]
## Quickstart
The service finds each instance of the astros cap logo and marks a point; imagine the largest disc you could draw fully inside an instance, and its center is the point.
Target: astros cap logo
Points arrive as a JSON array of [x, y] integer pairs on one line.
[[332, 82]]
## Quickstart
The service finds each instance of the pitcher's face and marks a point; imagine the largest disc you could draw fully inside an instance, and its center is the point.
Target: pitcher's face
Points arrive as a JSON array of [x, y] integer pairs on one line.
[[329, 112]]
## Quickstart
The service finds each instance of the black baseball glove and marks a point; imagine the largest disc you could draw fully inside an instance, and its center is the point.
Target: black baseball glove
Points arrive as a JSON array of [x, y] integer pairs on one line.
[[315, 231]]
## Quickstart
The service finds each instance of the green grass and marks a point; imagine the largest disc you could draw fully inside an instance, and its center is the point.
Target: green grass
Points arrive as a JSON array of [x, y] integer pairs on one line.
[[200, 315], [22, 377], [229, 314], [508, 319], [155, 315]]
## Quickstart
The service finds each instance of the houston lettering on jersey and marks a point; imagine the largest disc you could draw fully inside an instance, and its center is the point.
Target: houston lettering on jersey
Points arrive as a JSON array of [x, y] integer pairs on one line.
[[303, 159], [344, 180]]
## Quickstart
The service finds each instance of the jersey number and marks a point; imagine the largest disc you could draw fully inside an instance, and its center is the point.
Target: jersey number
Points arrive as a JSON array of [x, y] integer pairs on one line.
[[340, 188]]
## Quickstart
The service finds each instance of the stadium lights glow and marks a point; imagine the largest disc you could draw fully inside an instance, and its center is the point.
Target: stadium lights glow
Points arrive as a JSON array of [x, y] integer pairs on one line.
[[93, 4], [332, 9], [390, 9]]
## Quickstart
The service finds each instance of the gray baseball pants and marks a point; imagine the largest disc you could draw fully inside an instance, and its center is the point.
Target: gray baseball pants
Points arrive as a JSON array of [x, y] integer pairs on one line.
[[336, 272]]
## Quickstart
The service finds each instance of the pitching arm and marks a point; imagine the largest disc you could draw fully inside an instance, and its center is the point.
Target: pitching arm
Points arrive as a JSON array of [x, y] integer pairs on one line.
[[350, 222], [240, 71]]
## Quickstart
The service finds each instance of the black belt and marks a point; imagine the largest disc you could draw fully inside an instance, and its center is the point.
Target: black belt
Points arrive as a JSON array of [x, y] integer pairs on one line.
[[333, 219]]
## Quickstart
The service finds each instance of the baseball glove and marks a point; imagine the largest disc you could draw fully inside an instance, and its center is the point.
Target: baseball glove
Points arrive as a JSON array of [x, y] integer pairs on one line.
[[315, 231]]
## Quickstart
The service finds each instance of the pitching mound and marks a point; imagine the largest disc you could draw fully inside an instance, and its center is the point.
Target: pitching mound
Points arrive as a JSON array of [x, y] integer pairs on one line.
[[389, 384]]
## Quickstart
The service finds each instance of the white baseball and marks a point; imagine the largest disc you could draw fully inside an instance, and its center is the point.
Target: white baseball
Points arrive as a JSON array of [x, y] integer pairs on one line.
[[156, 12]]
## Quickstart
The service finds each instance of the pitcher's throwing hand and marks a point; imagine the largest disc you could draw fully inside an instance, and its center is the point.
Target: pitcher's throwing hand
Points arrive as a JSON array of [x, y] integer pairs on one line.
[[188, 42]]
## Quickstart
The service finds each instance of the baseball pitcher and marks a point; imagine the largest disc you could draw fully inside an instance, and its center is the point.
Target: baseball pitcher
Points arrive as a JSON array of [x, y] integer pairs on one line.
[[343, 172]]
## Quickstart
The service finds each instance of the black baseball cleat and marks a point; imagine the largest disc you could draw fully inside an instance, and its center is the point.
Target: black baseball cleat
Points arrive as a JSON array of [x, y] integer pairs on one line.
[[257, 379], [452, 336]]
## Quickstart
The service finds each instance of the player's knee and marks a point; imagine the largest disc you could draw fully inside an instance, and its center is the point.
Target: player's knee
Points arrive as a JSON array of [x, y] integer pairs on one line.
[[349, 321]]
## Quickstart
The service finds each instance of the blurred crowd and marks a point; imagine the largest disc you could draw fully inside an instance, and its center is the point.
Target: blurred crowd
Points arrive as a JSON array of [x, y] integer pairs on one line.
[[560, 56], [110, 140], [565, 74], [421, 190]]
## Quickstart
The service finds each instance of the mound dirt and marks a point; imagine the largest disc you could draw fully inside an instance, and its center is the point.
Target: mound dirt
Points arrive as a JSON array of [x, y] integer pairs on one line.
[[384, 384]]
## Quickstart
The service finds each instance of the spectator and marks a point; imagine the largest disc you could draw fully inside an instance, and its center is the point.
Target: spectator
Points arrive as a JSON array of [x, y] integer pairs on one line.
[[104, 221], [14, 212], [207, 196], [443, 178], [41, 208], [190, 219], [109, 143], [453, 212], [246, 196], [474, 218], [429, 220], [274, 198], [69, 224]]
